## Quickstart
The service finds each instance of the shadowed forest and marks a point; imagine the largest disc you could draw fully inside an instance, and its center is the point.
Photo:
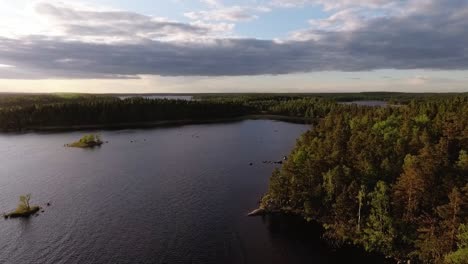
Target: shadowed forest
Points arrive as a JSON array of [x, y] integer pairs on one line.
[[30, 111]]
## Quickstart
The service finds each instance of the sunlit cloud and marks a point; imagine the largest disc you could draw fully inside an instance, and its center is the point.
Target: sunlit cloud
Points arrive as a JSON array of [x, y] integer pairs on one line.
[[72, 40], [233, 13]]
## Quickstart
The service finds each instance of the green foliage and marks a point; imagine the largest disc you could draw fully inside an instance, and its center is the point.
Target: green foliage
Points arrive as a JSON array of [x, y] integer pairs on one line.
[[19, 112], [24, 203], [329, 182], [378, 233], [37, 111], [422, 119], [24, 208], [87, 141], [460, 256], [391, 179], [463, 160], [91, 138]]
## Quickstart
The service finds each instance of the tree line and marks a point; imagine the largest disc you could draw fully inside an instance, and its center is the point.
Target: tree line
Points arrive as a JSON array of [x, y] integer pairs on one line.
[[19, 112], [103, 110]]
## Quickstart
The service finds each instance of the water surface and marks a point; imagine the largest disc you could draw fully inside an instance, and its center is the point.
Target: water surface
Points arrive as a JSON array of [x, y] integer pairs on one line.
[[164, 195], [374, 103], [160, 96]]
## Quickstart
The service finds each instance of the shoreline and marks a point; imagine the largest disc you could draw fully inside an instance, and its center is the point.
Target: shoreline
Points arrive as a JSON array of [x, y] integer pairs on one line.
[[162, 123], [264, 212], [15, 214]]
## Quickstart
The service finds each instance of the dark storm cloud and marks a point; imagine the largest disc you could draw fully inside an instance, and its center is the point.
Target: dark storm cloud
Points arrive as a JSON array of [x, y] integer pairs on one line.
[[432, 36]]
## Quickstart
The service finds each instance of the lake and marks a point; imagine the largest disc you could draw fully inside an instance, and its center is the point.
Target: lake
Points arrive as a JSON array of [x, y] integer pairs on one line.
[[163, 195], [367, 103], [159, 96]]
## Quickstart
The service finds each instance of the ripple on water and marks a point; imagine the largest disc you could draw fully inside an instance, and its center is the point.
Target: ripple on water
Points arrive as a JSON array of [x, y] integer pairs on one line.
[[173, 199]]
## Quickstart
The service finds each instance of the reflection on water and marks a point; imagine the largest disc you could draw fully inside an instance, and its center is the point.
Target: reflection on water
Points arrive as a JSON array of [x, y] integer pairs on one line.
[[24, 224], [289, 229], [151, 196]]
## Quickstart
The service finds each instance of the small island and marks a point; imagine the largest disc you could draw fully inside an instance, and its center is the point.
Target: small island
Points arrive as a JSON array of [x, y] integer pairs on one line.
[[87, 141], [24, 208]]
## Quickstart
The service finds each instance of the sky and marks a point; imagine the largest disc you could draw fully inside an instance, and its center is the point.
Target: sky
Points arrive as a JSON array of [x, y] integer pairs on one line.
[[191, 46]]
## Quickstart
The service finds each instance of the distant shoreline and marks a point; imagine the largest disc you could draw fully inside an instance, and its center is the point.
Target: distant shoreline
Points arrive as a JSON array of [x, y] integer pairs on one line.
[[162, 123]]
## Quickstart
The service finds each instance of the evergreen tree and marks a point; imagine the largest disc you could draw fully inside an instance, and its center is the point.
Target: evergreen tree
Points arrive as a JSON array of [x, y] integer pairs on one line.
[[378, 234]]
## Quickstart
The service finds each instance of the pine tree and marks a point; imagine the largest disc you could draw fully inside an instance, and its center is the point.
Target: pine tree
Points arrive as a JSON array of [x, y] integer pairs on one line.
[[409, 189], [378, 234], [460, 256], [450, 214]]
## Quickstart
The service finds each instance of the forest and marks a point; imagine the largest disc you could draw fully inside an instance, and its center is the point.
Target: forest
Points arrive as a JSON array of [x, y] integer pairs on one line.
[[392, 180], [36, 111], [30, 112]]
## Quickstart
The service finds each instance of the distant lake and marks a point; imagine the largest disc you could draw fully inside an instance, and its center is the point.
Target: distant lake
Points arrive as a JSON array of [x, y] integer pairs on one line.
[[367, 103], [173, 195], [174, 97]]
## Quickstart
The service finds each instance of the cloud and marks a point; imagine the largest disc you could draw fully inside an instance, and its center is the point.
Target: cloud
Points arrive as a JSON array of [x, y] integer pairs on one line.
[[6, 66], [220, 57], [232, 13], [336, 4], [212, 3], [344, 20], [423, 35], [108, 26]]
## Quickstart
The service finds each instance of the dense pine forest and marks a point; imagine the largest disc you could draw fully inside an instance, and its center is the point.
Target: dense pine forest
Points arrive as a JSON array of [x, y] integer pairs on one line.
[[30, 112], [393, 180], [20, 112]]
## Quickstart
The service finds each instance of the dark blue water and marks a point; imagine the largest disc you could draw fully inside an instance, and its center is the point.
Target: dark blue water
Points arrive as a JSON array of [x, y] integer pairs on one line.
[[173, 195]]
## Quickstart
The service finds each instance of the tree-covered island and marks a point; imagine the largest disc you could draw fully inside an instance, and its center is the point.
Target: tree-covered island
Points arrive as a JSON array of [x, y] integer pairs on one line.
[[87, 141], [24, 208]]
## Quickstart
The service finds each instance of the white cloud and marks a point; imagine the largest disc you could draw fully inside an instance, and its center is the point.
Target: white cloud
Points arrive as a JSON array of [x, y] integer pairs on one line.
[[344, 20], [418, 80], [335, 4], [232, 13], [212, 3], [75, 21], [81, 23]]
